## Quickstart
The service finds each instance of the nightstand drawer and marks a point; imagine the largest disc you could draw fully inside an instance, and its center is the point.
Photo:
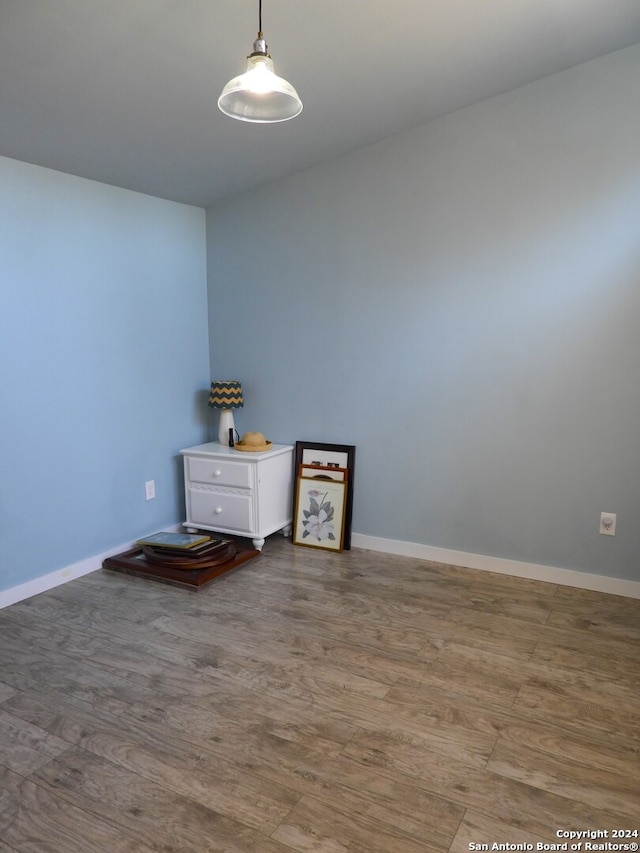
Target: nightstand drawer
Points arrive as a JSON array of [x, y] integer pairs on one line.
[[222, 510], [220, 472]]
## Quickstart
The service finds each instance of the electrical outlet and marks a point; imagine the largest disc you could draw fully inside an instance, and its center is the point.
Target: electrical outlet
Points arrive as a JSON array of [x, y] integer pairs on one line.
[[149, 490], [608, 523]]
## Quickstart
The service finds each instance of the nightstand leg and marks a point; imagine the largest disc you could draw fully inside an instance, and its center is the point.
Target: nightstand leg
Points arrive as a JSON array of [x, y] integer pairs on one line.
[[258, 543]]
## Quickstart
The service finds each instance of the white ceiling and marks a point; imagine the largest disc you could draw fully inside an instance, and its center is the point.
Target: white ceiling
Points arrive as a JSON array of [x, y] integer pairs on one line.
[[125, 91]]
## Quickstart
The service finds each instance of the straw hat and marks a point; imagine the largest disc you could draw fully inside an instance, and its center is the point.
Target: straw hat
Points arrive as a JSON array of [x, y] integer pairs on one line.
[[254, 442]]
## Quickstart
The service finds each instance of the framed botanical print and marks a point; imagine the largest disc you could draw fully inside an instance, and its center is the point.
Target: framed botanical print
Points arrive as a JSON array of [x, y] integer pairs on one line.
[[318, 520], [321, 455]]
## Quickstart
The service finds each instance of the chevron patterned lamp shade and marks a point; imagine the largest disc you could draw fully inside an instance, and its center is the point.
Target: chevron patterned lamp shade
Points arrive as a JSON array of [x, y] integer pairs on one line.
[[226, 395]]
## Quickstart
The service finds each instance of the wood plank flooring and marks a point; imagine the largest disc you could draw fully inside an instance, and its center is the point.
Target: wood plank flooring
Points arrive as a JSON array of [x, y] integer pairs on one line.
[[319, 703]]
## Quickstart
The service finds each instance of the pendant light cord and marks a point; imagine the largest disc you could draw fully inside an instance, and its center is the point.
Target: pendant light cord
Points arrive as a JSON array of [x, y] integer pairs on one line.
[[260, 18]]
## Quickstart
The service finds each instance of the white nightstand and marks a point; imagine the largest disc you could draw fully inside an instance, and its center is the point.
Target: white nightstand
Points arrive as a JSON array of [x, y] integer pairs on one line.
[[236, 492]]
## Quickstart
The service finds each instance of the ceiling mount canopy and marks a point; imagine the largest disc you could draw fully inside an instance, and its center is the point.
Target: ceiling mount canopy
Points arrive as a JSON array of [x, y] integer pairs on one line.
[[259, 95]]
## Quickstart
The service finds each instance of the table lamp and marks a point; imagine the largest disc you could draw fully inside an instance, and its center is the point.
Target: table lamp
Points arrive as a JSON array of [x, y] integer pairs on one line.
[[226, 395]]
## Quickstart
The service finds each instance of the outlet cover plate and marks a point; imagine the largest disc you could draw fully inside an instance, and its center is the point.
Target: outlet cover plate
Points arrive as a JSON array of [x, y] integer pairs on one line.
[[608, 523]]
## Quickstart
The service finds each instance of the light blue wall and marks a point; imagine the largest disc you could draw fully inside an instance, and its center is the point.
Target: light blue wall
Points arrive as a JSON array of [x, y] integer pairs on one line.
[[462, 303], [103, 365]]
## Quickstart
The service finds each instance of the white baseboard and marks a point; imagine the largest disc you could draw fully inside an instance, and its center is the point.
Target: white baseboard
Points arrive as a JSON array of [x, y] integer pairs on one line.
[[62, 576], [532, 571], [57, 578]]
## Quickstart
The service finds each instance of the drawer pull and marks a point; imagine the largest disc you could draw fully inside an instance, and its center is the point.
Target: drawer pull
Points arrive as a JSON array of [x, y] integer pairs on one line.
[[217, 472], [218, 510]]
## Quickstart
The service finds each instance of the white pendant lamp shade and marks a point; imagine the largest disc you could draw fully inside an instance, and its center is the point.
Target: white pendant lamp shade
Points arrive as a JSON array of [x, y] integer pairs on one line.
[[259, 95]]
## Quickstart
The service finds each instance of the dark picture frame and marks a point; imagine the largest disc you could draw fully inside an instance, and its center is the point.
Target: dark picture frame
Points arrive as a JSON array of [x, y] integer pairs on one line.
[[333, 456]]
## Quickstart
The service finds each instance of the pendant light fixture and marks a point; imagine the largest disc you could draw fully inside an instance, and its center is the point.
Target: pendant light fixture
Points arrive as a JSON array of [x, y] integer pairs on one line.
[[259, 95]]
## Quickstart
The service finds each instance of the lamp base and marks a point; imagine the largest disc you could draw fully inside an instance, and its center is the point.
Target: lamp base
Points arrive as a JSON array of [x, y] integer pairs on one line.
[[226, 423]]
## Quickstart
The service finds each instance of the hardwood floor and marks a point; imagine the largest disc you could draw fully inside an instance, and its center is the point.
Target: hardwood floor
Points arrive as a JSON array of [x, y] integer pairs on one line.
[[321, 703]]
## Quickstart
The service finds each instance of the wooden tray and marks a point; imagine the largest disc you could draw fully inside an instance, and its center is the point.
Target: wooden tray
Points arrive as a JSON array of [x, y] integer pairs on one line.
[[135, 562], [222, 554]]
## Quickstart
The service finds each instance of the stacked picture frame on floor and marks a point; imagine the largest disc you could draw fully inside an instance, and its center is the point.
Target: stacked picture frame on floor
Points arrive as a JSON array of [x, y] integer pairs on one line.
[[323, 499]]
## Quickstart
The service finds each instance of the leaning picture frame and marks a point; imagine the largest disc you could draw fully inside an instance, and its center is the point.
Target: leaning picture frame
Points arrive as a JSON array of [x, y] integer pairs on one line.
[[319, 515], [333, 456], [324, 472]]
